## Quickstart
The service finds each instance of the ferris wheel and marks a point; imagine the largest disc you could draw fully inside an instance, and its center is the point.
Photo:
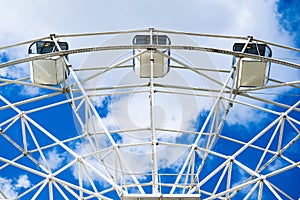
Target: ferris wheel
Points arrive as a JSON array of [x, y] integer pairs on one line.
[[149, 114]]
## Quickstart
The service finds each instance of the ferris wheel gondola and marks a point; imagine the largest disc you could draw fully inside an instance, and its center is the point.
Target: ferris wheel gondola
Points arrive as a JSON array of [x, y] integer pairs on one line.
[[252, 72], [142, 63], [51, 70]]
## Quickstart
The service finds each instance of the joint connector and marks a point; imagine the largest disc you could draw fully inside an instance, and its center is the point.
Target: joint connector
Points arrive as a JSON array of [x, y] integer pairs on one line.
[[52, 35], [250, 38]]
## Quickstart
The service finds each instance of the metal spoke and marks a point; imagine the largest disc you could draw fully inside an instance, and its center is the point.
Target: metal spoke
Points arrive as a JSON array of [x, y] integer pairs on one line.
[[149, 115]]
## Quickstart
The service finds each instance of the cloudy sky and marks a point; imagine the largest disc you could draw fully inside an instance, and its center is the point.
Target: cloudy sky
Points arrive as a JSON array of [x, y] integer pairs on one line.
[[272, 20]]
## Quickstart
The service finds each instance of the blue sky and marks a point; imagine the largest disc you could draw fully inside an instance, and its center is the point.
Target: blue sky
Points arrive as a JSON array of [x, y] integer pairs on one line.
[[289, 17], [275, 21]]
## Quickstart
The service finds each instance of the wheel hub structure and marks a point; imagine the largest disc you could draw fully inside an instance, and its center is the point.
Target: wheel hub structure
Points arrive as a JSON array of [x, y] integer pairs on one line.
[[149, 114]]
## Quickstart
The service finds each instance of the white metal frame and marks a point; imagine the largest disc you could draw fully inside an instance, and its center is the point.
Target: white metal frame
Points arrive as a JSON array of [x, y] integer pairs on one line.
[[123, 180]]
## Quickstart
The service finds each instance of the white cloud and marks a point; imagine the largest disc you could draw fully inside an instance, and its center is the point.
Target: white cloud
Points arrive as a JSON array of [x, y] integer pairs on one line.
[[234, 17], [54, 158], [6, 186], [242, 115], [258, 18], [30, 91], [127, 112], [23, 182], [10, 187], [83, 148], [14, 72], [275, 165]]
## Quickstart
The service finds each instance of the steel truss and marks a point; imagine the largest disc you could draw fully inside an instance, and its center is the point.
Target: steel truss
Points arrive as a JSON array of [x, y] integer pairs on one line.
[[96, 162]]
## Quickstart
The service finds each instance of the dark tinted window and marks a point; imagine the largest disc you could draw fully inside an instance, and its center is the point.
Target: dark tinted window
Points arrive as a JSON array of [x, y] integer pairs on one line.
[[49, 46], [252, 48], [156, 39]]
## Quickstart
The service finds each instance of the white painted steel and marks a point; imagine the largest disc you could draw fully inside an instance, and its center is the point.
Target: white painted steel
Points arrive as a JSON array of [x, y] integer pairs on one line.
[[162, 158]]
